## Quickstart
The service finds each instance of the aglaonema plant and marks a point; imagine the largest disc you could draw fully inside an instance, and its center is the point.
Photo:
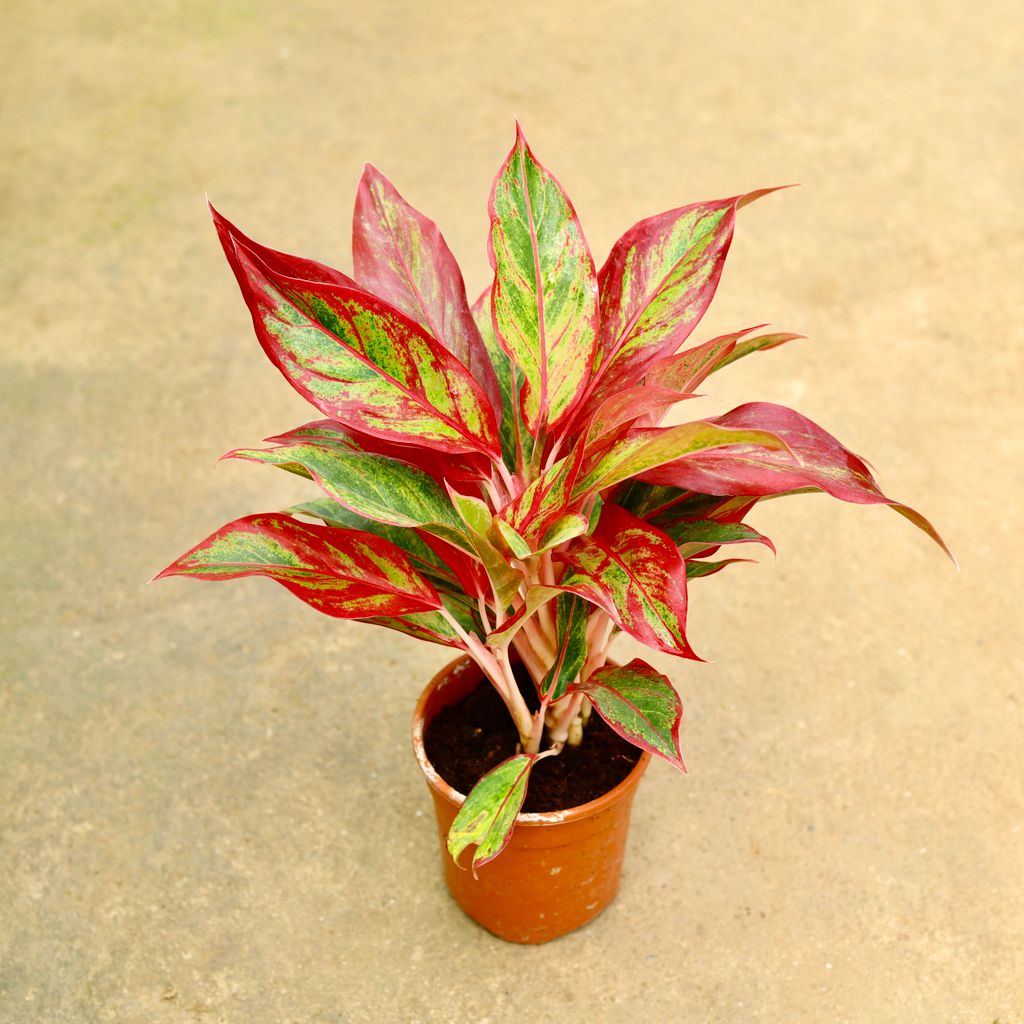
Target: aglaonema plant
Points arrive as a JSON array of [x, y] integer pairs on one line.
[[496, 478]]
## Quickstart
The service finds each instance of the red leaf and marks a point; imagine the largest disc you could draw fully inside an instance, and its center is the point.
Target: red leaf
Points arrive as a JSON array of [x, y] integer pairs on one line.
[[814, 459], [401, 255]]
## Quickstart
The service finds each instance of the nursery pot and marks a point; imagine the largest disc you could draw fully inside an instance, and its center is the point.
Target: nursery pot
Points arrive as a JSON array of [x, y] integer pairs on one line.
[[560, 868]]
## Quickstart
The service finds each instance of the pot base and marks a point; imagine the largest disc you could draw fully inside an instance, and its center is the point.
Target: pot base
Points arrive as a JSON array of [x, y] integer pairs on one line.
[[560, 868]]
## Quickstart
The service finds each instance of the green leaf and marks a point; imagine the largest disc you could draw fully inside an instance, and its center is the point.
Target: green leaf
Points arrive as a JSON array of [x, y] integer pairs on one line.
[[695, 536], [641, 705], [562, 530], [488, 815], [545, 287], [375, 486], [571, 614], [759, 344], [696, 569]]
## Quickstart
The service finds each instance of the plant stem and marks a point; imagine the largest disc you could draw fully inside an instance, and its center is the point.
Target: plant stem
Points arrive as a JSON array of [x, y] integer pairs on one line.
[[500, 675]]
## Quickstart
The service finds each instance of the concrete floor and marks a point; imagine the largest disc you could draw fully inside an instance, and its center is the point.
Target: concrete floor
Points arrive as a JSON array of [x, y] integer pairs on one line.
[[209, 811]]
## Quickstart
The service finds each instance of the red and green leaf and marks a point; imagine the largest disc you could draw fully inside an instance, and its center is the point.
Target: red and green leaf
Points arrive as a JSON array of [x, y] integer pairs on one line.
[[657, 283], [687, 370], [488, 815], [544, 297], [641, 705], [646, 448], [635, 573], [812, 458], [422, 556], [571, 614], [547, 500], [282, 264], [401, 255], [360, 360], [345, 573]]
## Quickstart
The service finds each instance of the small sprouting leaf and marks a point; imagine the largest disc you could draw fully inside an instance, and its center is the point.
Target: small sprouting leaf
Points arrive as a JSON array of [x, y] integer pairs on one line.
[[545, 287], [515, 543], [479, 525], [571, 614], [488, 815], [641, 705], [562, 530]]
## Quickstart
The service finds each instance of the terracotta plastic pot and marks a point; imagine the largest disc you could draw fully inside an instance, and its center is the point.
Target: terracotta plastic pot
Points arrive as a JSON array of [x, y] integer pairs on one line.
[[560, 868]]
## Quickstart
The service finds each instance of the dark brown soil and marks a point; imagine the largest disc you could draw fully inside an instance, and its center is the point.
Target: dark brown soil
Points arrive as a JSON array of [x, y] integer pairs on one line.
[[466, 740]]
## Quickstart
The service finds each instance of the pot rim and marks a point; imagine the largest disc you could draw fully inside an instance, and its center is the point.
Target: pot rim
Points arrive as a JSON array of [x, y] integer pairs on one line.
[[533, 818]]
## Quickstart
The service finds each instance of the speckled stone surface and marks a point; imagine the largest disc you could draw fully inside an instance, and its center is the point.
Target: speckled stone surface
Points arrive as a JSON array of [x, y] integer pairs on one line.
[[209, 810]]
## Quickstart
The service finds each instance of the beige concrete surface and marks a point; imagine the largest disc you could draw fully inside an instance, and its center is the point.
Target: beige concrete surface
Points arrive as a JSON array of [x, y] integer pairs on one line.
[[209, 811]]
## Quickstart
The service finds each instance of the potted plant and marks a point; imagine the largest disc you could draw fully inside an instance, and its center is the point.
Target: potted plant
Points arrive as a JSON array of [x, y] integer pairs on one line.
[[495, 478]]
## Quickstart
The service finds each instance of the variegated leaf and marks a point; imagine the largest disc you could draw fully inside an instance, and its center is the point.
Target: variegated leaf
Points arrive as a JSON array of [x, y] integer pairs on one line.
[[641, 705], [433, 627], [488, 815], [514, 436], [469, 467], [548, 499], [812, 458], [421, 554], [571, 614], [644, 449], [563, 530], [687, 370], [345, 573], [544, 296], [657, 283], [375, 486], [400, 255], [635, 573], [361, 361], [763, 343]]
